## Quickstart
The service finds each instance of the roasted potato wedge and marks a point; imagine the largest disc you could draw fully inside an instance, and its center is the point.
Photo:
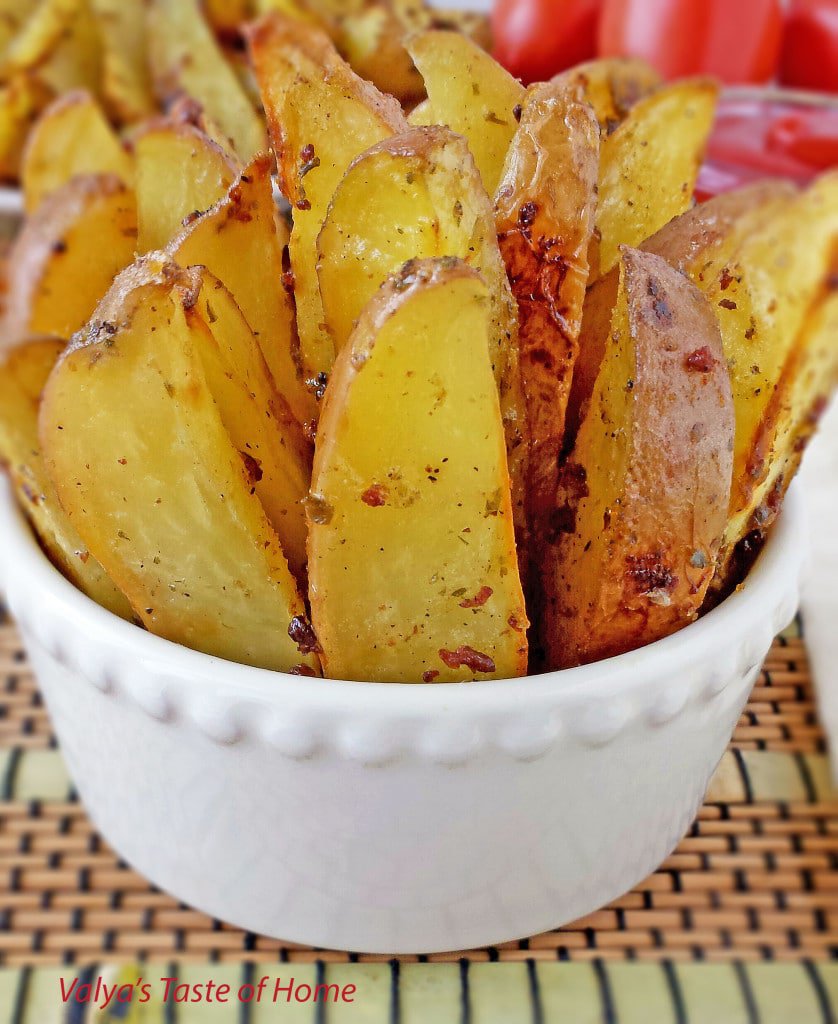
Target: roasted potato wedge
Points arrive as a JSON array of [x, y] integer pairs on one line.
[[227, 16], [471, 93], [612, 86], [545, 209], [643, 497], [23, 373], [67, 256], [412, 564], [372, 40], [186, 59], [126, 81], [686, 243], [321, 115], [22, 99], [415, 195], [13, 15], [763, 291], [71, 137], [157, 486], [241, 240], [59, 45], [166, 197], [649, 166]]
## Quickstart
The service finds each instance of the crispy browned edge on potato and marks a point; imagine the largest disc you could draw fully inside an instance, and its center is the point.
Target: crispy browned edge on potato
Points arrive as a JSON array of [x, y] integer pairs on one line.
[[644, 495], [545, 208]]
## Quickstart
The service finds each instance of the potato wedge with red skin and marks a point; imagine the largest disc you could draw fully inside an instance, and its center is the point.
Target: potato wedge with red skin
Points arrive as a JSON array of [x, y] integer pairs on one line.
[[242, 240], [160, 488], [412, 564], [643, 497], [23, 374], [686, 243], [67, 256], [545, 208], [321, 115]]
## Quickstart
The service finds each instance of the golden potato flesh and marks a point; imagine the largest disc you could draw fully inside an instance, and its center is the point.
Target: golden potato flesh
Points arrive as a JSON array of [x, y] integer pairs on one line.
[[126, 82], [67, 255], [23, 374], [321, 115], [22, 99], [412, 564], [59, 45], [470, 93], [71, 137], [612, 86], [186, 59], [762, 282], [649, 166], [180, 173], [159, 490], [643, 497], [416, 195], [545, 216], [241, 241], [372, 39]]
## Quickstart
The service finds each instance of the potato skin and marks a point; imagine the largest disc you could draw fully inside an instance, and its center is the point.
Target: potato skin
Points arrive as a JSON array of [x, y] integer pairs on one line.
[[545, 214], [643, 497]]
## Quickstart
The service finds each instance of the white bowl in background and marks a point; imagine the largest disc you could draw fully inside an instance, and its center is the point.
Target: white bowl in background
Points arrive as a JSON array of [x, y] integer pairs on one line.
[[391, 818]]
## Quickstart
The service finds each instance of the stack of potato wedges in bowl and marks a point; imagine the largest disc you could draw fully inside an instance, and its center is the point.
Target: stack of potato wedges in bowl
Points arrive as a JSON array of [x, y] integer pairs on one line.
[[495, 398]]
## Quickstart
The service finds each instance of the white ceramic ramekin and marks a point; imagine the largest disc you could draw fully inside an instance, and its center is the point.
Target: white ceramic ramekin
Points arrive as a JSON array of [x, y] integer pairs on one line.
[[391, 819]]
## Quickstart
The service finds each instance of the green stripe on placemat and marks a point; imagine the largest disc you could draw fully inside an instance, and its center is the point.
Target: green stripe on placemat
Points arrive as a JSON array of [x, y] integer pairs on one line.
[[489, 993], [742, 777]]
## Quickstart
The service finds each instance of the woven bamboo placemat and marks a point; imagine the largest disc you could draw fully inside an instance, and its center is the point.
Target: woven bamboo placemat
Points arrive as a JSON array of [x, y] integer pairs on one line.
[[743, 916]]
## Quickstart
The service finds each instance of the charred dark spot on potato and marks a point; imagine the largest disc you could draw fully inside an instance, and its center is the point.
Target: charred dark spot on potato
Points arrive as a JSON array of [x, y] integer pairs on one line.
[[318, 510], [190, 218], [515, 623], [375, 496], [660, 306], [728, 304], [317, 385], [701, 361], [517, 112], [467, 657], [59, 246], [572, 488], [302, 633], [303, 670], [726, 279], [751, 330], [308, 160], [252, 468], [527, 214], [430, 675], [479, 599], [649, 574]]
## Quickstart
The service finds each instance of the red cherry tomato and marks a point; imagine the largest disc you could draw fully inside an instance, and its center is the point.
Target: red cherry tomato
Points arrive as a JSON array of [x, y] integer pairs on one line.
[[810, 46], [535, 39], [735, 40]]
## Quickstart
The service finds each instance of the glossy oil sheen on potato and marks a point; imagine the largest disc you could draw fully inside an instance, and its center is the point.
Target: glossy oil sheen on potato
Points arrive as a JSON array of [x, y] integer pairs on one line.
[[470, 93], [412, 564], [321, 115], [136, 444], [643, 497], [23, 374], [241, 241]]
